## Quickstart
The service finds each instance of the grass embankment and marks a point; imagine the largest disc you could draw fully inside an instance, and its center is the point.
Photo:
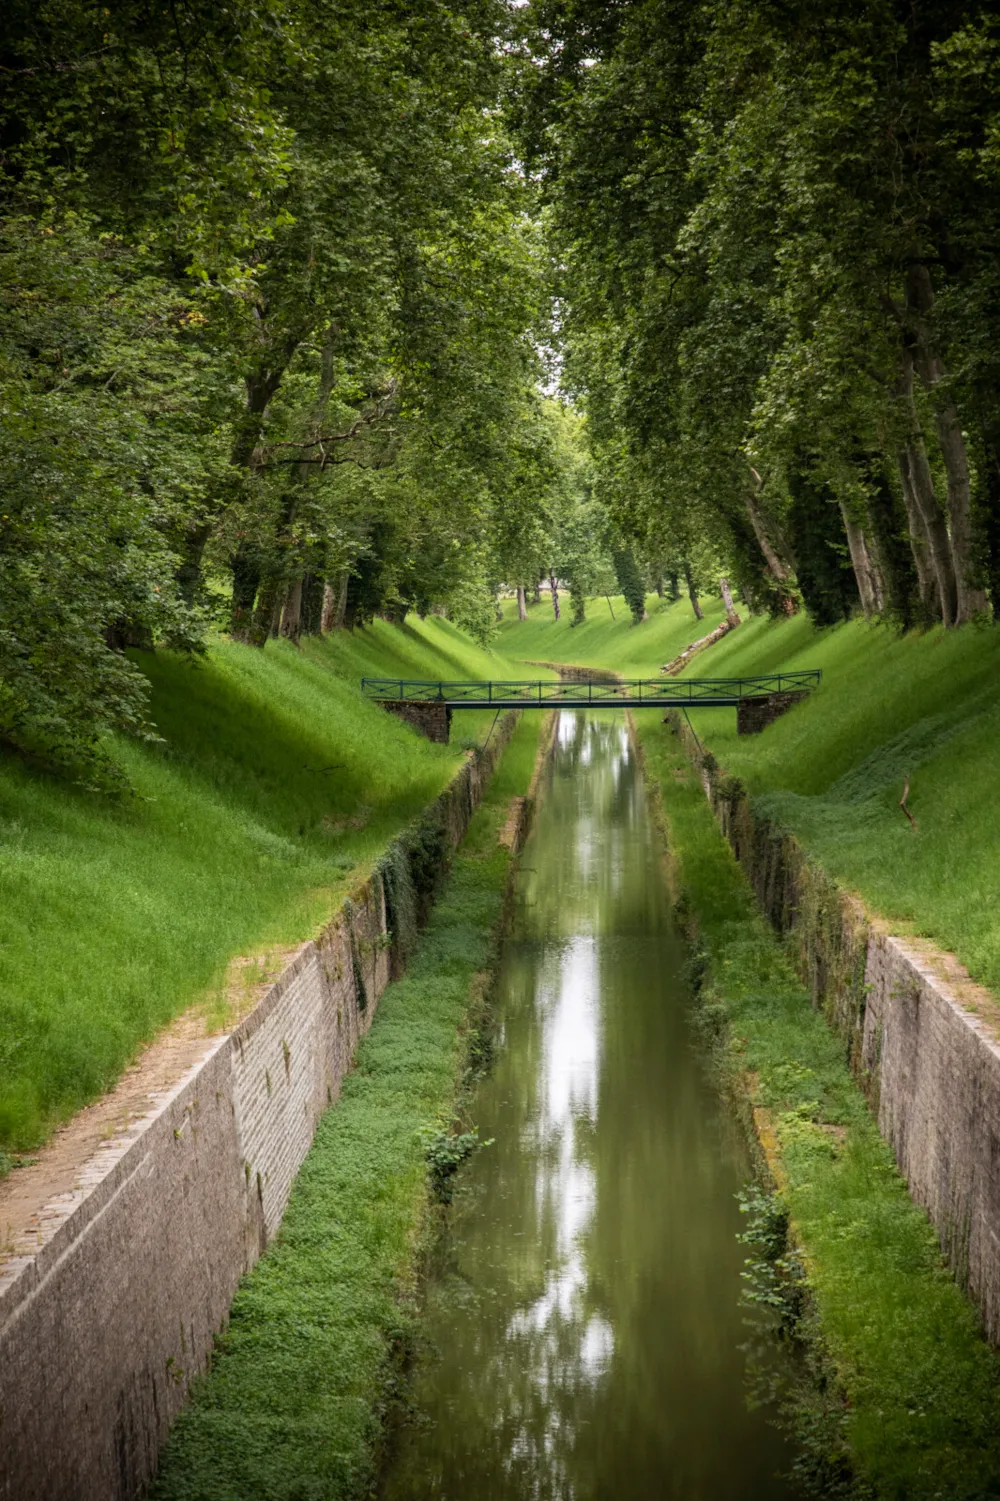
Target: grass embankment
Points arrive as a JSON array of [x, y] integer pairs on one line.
[[293, 1404], [923, 1413], [276, 785], [923, 705], [632, 651]]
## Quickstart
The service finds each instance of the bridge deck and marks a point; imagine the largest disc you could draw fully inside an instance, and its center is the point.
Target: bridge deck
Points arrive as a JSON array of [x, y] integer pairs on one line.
[[584, 693]]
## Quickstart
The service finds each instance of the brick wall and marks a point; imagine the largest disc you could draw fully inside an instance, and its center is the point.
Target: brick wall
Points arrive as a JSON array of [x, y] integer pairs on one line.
[[755, 714], [107, 1317], [432, 720]]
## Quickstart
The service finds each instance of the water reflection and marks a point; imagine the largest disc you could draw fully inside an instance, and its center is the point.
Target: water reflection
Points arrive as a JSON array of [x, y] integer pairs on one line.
[[586, 1331]]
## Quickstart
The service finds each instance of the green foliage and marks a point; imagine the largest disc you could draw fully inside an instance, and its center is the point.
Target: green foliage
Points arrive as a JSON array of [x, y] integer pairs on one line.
[[274, 789], [630, 583], [445, 1151], [271, 292], [773, 231], [318, 1336]]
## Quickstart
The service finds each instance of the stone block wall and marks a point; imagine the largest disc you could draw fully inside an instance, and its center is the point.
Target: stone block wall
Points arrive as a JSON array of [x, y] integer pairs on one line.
[[430, 719], [110, 1311], [755, 714], [922, 1039]]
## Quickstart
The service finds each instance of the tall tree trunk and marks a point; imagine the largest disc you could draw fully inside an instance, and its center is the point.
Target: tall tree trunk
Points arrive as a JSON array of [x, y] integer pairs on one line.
[[922, 487], [244, 455], [522, 608], [969, 600], [538, 592], [291, 613], [340, 613], [555, 594], [327, 609], [245, 567], [920, 546], [692, 592], [727, 600], [869, 585], [779, 570]]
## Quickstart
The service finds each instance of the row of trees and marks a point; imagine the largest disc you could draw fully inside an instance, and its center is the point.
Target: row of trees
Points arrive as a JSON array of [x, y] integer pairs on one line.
[[272, 293], [776, 235]]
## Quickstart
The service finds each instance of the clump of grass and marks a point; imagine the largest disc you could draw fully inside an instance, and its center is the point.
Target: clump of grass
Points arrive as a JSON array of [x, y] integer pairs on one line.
[[276, 786], [922, 1411], [318, 1337]]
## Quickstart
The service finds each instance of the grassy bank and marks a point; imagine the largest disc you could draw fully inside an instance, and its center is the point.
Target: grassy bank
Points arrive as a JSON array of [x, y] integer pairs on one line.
[[293, 1405], [607, 637], [275, 785], [922, 1416], [923, 706]]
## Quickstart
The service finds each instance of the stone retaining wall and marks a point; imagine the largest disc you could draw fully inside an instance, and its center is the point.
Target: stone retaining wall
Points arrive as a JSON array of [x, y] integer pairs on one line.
[[430, 719], [756, 713], [110, 1312], [922, 1039]]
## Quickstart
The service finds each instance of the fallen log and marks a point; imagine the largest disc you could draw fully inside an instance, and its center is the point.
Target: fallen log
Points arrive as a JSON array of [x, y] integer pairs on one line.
[[679, 663]]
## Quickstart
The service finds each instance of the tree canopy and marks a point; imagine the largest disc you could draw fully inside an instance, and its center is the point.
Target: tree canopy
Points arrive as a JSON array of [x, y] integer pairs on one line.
[[288, 292], [776, 233]]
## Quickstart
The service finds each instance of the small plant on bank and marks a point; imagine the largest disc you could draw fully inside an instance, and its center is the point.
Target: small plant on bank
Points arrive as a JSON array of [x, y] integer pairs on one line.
[[445, 1153]]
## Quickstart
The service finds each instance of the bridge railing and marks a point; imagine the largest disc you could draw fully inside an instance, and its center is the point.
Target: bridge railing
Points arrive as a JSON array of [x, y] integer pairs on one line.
[[508, 691]]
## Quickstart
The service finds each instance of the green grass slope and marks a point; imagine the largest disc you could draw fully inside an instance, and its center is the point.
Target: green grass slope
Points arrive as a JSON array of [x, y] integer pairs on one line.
[[924, 705], [275, 785], [633, 651]]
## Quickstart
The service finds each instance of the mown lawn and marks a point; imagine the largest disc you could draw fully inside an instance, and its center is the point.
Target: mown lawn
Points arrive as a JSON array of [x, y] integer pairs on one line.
[[276, 785]]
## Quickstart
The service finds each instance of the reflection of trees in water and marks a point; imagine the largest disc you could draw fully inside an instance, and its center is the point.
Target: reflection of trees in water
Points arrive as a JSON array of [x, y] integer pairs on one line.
[[590, 1323], [594, 871]]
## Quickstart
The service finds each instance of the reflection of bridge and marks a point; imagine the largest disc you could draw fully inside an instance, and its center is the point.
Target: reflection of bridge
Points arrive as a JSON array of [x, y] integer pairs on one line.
[[585, 693], [428, 706]]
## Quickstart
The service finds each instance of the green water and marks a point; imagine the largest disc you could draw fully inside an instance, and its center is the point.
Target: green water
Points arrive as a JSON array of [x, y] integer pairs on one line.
[[585, 1327]]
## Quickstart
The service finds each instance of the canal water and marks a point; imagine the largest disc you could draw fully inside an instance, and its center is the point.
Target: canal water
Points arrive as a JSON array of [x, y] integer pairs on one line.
[[585, 1334]]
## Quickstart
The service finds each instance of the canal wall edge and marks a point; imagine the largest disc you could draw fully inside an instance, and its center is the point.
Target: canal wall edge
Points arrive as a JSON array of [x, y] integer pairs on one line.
[[111, 1312], [921, 1037]]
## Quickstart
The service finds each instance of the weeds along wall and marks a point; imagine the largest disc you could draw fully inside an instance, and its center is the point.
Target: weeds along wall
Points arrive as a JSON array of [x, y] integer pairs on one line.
[[109, 1314], [920, 1036]]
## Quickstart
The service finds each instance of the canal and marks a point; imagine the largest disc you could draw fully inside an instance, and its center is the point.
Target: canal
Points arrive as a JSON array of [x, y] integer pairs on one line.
[[585, 1335]]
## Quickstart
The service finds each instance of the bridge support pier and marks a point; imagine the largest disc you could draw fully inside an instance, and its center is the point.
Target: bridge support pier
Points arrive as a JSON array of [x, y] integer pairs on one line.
[[427, 718], [755, 713]]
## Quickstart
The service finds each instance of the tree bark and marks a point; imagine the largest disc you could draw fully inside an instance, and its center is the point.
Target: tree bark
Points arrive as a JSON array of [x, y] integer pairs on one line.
[[727, 600], [922, 487], [969, 600], [340, 612], [919, 544], [245, 569], [291, 613], [327, 610], [778, 570], [692, 592], [555, 594], [868, 582], [522, 608]]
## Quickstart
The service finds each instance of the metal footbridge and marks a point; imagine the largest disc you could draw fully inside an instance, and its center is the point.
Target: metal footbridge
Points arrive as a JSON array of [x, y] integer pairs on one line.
[[586, 693]]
